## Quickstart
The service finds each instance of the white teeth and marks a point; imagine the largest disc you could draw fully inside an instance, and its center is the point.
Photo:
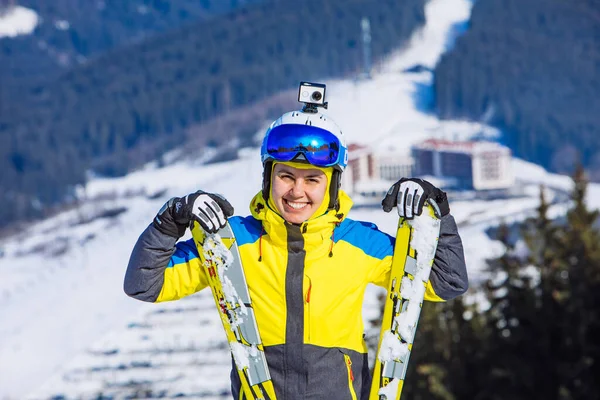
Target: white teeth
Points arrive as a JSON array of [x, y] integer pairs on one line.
[[297, 206]]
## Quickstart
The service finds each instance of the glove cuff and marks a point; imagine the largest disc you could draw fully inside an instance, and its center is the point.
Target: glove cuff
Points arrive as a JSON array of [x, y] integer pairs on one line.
[[442, 201], [165, 224]]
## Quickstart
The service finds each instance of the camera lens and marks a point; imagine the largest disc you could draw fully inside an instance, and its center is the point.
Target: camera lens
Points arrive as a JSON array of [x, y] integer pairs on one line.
[[316, 96]]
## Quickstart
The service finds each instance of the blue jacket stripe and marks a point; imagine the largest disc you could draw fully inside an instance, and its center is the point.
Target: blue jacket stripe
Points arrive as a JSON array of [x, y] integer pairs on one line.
[[246, 230], [365, 236], [184, 252]]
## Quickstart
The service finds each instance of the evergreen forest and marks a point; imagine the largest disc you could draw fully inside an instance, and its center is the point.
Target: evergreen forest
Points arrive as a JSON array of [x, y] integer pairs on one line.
[[532, 331], [532, 69], [131, 104], [75, 32]]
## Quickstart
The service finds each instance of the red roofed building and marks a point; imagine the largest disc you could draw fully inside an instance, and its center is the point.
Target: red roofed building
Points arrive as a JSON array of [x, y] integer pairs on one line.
[[475, 165], [371, 174]]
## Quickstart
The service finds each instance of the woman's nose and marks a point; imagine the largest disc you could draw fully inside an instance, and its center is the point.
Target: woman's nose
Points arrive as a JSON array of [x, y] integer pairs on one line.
[[298, 188]]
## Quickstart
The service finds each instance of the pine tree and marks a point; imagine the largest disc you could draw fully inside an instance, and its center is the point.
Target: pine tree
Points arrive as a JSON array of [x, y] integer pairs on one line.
[[449, 351], [512, 319], [579, 248], [544, 308], [542, 237], [540, 336], [427, 373]]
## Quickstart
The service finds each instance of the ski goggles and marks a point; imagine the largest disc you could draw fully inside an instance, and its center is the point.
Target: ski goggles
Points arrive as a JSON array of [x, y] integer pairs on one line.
[[319, 147]]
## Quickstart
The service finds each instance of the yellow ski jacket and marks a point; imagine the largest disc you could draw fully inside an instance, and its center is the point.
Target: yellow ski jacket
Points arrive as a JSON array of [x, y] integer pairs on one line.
[[307, 284]]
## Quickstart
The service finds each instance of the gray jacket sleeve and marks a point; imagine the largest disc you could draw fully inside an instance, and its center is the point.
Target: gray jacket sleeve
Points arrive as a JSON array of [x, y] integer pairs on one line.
[[149, 259], [449, 272]]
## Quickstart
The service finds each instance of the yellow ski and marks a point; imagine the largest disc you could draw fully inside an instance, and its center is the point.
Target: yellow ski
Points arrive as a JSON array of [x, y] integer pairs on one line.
[[220, 256], [414, 251]]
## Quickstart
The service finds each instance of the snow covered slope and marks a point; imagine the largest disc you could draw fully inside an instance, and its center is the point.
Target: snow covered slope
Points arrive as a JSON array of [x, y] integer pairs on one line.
[[17, 21], [68, 329]]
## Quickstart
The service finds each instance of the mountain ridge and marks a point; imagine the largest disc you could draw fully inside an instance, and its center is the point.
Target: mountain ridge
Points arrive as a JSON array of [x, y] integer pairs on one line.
[[530, 69], [149, 94]]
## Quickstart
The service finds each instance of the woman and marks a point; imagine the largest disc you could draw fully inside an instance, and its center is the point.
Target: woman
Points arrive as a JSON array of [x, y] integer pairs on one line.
[[307, 265]]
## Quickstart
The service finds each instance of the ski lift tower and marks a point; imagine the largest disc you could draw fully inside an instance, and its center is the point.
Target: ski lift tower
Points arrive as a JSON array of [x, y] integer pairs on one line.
[[365, 26]]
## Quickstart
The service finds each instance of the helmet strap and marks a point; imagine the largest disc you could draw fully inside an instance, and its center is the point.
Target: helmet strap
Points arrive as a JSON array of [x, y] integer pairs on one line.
[[334, 188], [266, 184]]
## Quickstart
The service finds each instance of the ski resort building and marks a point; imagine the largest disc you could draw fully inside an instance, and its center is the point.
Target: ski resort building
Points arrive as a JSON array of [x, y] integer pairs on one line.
[[476, 165], [369, 175], [484, 167], [361, 165]]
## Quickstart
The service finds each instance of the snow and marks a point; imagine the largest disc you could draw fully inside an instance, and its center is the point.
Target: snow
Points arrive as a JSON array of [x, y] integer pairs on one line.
[[17, 21], [437, 36], [392, 348], [240, 354], [406, 288], [67, 327], [218, 254], [382, 112], [62, 25], [389, 391], [425, 228]]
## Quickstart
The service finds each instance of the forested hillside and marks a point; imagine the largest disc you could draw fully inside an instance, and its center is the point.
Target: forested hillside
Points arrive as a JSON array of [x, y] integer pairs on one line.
[[531, 68], [539, 337], [102, 114], [70, 32]]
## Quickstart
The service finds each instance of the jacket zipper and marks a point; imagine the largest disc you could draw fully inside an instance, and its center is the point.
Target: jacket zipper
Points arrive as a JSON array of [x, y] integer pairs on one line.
[[350, 375]]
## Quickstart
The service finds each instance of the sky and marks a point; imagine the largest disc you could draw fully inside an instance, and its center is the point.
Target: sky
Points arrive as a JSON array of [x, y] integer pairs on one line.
[[67, 327]]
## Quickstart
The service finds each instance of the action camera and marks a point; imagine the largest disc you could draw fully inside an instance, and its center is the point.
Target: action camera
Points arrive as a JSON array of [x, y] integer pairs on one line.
[[312, 95]]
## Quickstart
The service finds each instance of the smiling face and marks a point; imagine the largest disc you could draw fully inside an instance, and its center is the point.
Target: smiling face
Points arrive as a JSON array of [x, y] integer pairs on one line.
[[297, 193]]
